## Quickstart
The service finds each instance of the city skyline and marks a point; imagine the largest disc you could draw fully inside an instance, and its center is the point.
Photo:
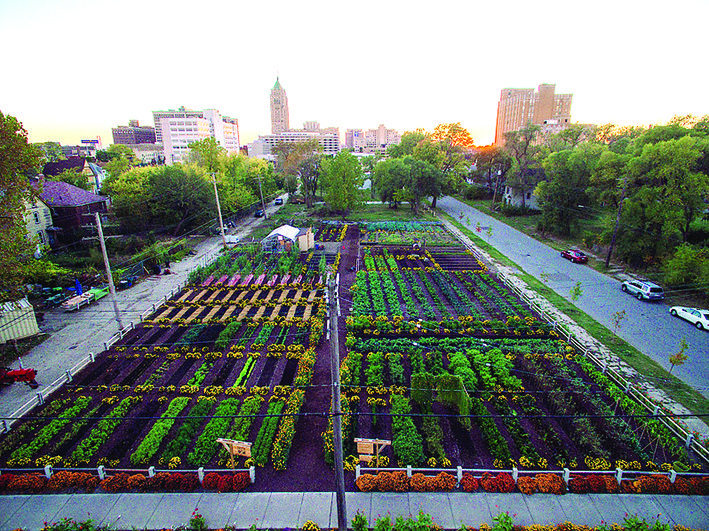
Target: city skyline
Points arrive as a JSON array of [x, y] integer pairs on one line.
[[80, 68]]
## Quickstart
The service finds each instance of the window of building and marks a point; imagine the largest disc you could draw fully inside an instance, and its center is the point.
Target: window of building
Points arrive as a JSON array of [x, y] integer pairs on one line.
[[36, 217]]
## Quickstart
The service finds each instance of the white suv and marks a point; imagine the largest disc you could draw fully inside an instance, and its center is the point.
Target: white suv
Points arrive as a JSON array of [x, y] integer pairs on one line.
[[648, 291]]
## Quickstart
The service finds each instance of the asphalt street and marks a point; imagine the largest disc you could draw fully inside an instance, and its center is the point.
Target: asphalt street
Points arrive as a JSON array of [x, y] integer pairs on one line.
[[647, 326]]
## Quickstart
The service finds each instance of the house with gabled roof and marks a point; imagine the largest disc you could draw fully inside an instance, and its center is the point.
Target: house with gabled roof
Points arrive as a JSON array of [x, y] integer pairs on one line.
[[72, 207], [94, 173]]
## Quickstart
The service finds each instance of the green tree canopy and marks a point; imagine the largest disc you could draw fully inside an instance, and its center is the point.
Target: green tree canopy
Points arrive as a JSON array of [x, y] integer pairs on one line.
[[17, 159], [342, 177], [207, 154]]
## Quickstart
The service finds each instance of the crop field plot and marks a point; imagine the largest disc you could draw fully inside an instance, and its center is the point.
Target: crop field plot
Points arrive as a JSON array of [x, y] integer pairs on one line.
[[430, 233], [437, 356]]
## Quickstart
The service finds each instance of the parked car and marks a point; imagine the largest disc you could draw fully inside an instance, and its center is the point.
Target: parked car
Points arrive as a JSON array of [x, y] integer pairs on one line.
[[258, 213], [696, 316], [278, 201], [575, 256], [297, 200], [648, 291]]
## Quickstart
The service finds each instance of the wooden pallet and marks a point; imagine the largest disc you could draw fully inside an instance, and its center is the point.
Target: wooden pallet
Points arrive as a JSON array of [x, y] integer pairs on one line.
[[242, 314], [187, 294], [291, 312], [211, 314], [260, 312], [276, 311], [195, 314], [283, 295], [256, 296], [228, 312], [308, 311]]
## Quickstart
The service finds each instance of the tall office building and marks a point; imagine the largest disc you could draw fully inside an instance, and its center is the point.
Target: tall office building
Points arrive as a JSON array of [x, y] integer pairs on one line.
[[280, 122], [519, 107], [176, 129]]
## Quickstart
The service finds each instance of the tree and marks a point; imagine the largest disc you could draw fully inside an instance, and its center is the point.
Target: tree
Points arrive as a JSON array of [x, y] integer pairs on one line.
[[73, 177], [446, 148], [424, 180], [309, 171], [525, 172], [207, 154], [452, 135], [117, 166], [391, 177], [576, 292], [130, 197], [342, 177], [238, 182], [680, 357], [672, 167], [289, 155], [52, 151], [17, 158], [617, 319], [492, 164], [180, 196], [409, 140], [562, 196]]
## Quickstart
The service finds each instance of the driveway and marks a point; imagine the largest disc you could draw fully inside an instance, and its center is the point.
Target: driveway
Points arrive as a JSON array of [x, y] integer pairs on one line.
[[647, 326]]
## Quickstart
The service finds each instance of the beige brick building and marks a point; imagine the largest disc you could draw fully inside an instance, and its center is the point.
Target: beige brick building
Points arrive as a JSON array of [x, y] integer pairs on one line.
[[519, 107]]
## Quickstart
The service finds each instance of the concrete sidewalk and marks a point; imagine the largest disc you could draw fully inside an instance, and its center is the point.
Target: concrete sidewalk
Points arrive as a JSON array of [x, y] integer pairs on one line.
[[281, 510]]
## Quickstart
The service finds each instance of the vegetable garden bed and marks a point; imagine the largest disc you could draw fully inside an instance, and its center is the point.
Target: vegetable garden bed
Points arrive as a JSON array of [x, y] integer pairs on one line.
[[438, 357]]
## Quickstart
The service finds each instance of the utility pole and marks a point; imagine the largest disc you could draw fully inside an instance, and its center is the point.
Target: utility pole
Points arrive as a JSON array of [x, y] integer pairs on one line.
[[617, 222], [219, 208], [111, 287], [263, 204], [336, 410]]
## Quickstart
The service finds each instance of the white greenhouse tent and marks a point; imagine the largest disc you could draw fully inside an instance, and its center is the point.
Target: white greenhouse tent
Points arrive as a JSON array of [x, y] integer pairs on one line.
[[285, 237]]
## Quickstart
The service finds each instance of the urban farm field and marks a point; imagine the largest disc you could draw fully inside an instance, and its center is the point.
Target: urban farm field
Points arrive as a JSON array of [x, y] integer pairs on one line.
[[437, 356]]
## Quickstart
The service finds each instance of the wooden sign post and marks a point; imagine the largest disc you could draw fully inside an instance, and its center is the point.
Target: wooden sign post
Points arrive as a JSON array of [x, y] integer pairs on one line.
[[238, 448], [367, 447]]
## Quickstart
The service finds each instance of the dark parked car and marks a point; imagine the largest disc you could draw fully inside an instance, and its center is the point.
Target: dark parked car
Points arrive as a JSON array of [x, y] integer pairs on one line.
[[258, 213], [575, 256], [278, 201]]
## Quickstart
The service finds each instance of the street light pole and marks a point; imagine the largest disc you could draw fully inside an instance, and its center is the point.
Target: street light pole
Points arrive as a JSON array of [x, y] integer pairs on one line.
[[263, 204], [219, 208], [336, 406], [107, 264]]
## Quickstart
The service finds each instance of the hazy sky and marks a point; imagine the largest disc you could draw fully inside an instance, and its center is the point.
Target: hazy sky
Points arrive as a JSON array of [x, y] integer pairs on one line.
[[72, 69]]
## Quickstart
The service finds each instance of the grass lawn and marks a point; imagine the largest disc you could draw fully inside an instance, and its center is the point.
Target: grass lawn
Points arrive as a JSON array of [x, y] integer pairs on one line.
[[673, 386]]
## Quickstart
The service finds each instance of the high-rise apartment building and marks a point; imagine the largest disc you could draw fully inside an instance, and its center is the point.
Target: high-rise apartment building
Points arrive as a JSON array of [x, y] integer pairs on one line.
[[519, 107], [280, 121], [133, 133], [177, 129]]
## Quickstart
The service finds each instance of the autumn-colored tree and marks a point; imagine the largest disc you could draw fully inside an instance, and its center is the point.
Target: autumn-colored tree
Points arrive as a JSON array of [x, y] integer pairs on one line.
[[452, 134]]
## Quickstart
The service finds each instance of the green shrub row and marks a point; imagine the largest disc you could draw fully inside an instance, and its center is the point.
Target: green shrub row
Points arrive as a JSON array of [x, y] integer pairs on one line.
[[47, 433], [206, 445], [264, 439], [149, 446], [103, 430], [187, 430]]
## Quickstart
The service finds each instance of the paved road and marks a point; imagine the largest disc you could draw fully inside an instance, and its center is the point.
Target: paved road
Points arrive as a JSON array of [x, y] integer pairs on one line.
[[74, 335], [647, 326]]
